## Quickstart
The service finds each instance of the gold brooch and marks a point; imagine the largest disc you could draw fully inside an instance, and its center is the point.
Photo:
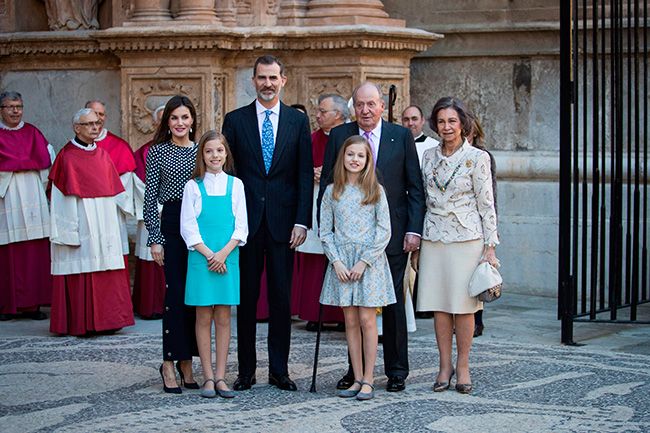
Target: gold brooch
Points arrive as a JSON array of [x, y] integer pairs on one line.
[[468, 163]]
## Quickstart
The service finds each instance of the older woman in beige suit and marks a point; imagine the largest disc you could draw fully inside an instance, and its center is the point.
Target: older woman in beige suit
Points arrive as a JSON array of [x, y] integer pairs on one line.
[[460, 231]]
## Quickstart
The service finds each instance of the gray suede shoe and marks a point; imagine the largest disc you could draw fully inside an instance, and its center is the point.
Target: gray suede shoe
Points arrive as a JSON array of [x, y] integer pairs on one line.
[[209, 393], [223, 393], [366, 395], [348, 393]]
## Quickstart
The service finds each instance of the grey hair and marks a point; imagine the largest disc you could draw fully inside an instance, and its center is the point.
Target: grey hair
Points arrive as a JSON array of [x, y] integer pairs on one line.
[[11, 95], [340, 104], [79, 114], [94, 100], [156, 111], [367, 83]]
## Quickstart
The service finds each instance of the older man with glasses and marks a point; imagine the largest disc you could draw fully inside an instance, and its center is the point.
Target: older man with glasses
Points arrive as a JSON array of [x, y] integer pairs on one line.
[[91, 292], [25, 158]]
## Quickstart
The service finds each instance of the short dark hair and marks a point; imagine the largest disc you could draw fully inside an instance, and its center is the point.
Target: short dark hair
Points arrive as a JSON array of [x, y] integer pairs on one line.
[[417, 107], [268, 59], [459, 107], [163, 133]]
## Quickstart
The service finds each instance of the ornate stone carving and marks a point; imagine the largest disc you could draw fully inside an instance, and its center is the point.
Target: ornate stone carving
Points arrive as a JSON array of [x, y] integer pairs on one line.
[[226, 12], [292, 12], [337, 12], [318, 85], [3, 7], [219, 99], [147, 93], [72, 14], [200, 11]]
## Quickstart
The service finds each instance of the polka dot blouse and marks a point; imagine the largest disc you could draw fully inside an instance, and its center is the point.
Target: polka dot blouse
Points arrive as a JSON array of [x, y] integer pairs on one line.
[[168, 168]]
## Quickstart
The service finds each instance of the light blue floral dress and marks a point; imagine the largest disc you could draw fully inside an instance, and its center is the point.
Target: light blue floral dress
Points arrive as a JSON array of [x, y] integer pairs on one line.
[[351, 232]]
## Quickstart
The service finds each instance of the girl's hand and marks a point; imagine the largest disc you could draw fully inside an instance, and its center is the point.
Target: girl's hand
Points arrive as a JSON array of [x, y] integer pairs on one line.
[[357, 270], [158, 254], [490, 256], [219, 259], [415, 260], [341, 271]]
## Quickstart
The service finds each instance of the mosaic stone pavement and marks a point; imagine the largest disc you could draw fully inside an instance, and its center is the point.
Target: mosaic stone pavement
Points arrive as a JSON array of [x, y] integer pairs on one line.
[[111, 384]]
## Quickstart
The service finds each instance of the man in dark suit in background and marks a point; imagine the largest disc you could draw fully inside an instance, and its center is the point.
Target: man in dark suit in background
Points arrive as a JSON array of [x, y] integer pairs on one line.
[[398, 171], [271, 147]]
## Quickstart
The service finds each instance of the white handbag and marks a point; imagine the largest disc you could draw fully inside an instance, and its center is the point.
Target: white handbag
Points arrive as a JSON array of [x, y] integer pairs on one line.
[[485, 283]]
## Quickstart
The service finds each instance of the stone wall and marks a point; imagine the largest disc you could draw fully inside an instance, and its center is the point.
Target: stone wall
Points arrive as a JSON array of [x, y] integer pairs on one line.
[[502, 58]]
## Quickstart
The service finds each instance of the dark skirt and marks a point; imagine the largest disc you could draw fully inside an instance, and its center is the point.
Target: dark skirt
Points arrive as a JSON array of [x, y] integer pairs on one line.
[[148, 288], [179, 338]]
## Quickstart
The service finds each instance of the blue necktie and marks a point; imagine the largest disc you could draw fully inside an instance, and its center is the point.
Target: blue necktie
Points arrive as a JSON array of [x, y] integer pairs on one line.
[[267, 141]]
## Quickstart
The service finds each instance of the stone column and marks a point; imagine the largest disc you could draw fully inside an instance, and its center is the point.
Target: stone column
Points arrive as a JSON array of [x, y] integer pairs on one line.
[[226, 12], [149, 11], [292, 12], [341, 12], [199, 11]]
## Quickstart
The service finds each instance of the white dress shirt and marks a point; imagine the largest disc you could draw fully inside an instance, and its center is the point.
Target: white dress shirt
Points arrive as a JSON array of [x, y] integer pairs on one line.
[[215, 185], [274, 117], [375, 135]]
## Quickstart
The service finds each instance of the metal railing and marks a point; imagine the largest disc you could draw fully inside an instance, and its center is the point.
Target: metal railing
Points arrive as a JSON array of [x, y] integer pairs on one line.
[[603, 248]]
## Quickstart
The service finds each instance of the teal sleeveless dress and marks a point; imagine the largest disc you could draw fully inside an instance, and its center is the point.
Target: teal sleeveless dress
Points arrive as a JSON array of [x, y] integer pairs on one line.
[[216, 225]]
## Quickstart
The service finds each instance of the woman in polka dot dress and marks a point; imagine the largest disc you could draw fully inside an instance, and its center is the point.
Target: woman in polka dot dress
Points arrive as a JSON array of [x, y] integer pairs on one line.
[[169, 165]]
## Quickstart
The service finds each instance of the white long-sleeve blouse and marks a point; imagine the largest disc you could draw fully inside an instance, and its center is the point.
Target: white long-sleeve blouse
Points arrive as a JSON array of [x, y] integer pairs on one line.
[[459, 196], [215, 185]]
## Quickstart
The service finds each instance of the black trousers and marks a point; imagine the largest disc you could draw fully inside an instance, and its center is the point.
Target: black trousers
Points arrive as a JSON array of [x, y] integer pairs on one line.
[[178, 323], [395, 337], [279, 268]]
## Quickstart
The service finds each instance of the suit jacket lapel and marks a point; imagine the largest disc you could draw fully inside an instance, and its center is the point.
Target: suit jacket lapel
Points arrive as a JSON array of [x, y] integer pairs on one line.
[[284, 125], [253, 135], [386, 145]]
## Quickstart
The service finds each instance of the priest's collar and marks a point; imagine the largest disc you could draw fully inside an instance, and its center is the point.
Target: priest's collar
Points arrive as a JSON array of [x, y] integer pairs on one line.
[[20, 125], [83, 145], [102, 134]]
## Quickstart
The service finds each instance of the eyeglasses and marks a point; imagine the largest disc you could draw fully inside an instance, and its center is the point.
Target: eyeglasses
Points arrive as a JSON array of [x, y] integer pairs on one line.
[[13, 107], [90, 123]]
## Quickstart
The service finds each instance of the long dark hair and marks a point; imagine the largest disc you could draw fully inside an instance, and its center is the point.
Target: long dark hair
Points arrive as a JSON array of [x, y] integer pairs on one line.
[[163, 133], [456, 105]]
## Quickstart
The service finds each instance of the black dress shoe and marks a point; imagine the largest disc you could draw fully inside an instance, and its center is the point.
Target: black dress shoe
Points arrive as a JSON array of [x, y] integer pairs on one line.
[[243, 383], [6, 317], [345, 382], [478, 330], [395, 384], [283, 382], [311, 326]]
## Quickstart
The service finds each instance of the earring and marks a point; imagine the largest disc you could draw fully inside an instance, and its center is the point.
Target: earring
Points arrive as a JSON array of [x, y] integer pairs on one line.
[[169, 131], [191, 129]]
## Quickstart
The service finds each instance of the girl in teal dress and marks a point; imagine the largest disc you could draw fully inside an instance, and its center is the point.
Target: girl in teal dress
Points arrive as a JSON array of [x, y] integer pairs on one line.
[[213, 225], [355, 230]]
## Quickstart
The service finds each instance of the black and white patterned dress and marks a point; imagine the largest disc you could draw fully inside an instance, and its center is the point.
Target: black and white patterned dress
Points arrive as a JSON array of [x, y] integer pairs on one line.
[[168, 168]]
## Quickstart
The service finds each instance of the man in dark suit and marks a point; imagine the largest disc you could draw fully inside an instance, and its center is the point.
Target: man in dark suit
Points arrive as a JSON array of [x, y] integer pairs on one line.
[[271, 147], [399, 172]]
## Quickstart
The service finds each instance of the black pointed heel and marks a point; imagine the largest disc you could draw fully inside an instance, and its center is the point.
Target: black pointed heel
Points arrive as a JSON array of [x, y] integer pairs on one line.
[[168, 390], [188, 385]]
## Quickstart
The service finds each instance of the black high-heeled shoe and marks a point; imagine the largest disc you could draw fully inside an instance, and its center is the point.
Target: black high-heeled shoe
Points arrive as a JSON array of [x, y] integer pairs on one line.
[[188, 385], [175, 390], [443, 386]]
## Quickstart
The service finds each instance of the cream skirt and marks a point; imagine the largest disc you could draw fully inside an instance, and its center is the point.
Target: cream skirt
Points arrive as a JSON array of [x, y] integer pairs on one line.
[[444, 274]]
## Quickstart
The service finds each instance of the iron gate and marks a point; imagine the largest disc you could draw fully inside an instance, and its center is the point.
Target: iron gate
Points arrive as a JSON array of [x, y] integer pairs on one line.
[[603, 249]]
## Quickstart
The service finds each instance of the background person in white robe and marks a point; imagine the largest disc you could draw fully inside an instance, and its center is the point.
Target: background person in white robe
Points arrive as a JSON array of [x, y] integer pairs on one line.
[[90, 286], [25, 159]]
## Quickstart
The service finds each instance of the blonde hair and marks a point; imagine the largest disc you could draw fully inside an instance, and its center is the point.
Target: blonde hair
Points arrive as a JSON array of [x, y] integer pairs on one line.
[[199, 168], [367, 178]]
